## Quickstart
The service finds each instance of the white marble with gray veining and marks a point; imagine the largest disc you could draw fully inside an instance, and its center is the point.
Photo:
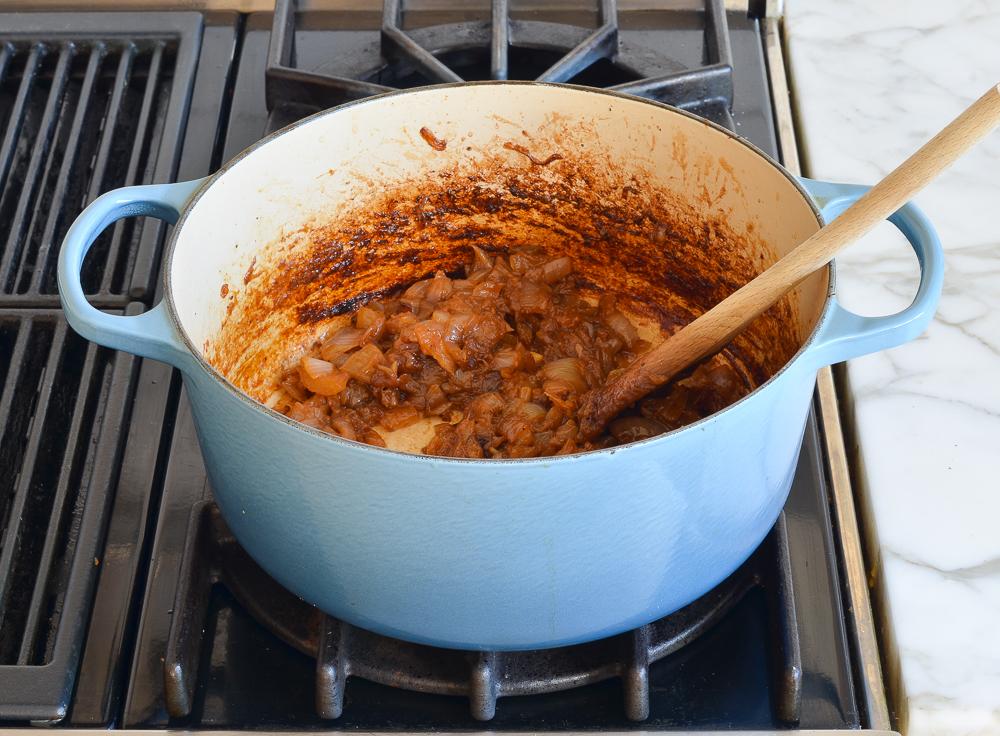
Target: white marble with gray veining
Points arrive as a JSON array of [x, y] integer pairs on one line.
[[872, 81]]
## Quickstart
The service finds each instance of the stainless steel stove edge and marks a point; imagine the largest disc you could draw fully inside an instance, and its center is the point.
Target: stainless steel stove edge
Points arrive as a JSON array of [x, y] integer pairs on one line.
[[871, 681]]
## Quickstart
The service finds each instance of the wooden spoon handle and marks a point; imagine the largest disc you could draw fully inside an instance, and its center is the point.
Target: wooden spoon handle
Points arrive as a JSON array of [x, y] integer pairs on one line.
[[715, 328]]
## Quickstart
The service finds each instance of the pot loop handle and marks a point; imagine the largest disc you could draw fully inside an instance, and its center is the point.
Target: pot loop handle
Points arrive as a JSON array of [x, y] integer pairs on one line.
[[844, 334], [150, 334]]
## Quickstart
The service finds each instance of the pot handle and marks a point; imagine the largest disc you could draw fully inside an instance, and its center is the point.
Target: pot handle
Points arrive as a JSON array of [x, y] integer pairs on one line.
[[847, 335], [150, 334]]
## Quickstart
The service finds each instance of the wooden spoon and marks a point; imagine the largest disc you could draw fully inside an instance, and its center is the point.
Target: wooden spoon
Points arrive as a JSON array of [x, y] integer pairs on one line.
[[710, 332]]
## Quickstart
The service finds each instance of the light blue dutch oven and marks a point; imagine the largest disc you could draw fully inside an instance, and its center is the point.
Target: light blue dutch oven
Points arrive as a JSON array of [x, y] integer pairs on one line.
[[485, 554]]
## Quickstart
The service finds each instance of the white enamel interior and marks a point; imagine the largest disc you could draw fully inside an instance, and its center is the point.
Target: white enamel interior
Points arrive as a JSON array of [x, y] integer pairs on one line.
[[296, 178]]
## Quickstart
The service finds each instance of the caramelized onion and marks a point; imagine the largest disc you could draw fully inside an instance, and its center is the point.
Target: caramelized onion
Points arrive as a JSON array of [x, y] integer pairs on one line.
[[554, 270], [439, 288], [344, 428], [522, 261], [512, 360], [370, 321], [634, 428], [399, 322], [435, 402], [362, 364], [372, 437], [623, 327], [321, 377], [481, 262], [530, 297], [455, 327], [340, 342], [430, 337], [399, 417], [568, 371], [292, 386], [498, 359], [531, 412]]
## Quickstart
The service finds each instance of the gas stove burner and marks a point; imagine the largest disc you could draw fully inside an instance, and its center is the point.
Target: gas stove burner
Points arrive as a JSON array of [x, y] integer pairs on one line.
[[504, 47], [342, 650]]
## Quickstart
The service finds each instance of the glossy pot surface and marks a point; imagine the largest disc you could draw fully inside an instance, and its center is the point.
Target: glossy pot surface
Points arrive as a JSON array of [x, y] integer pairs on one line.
[[488, 554]]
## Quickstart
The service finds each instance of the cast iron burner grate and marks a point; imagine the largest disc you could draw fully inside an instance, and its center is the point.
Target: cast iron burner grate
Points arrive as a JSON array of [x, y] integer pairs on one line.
[[63, 402], [85, 106], [509, 48], [88, 102], [342, 651]]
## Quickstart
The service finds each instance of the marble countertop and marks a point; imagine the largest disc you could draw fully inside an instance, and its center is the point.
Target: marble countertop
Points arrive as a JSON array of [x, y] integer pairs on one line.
[[871, 82]]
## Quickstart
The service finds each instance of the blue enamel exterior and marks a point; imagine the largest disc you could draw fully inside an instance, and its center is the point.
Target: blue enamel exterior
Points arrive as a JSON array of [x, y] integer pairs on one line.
[[498, 554]]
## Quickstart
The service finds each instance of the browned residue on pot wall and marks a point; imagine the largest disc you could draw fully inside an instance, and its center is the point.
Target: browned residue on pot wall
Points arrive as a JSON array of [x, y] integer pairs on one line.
[[667, 258], [432, 140]]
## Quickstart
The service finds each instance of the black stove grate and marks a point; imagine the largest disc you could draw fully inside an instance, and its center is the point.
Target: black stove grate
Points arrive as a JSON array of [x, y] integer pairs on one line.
[[83, 111], [342, 651], [88, 102], [510, 48], [62, 407]]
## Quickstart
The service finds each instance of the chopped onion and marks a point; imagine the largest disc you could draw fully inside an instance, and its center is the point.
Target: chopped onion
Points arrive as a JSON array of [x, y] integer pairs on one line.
[[455, 353], [496, 362], [521, 262], [623, 327], [372, 437], [531, 411], [554, 270], [399, 417], [435, 402], [429, 336], [485, 405], [362, 364], [554, 417], [634, 428], [414, 296], [367, 316], [438, 289], [277, 396], [321, 377], [342, 341], [397, 323], [309, 412], [488, 290], [480, 261], [559, 392], [617, 321], [506, 361], [455, 327], [530, 297], [569, 371], [512, 360], [344, 428], [371, 321], [515, 430], [293, 388]]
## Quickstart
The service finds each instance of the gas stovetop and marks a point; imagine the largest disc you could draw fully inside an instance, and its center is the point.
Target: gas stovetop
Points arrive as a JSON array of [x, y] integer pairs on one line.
[[124, 600]]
